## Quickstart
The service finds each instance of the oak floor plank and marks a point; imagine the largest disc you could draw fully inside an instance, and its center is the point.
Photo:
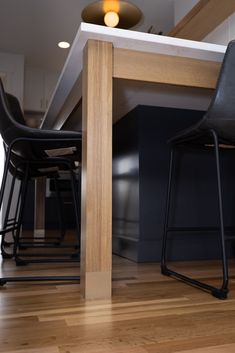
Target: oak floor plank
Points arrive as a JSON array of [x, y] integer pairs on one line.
[[227, 348], [148, 313], [37, 350]]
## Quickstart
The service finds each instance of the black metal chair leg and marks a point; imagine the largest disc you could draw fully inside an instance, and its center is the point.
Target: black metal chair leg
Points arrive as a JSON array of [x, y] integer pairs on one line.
[[21, 211], [165, 234], [76, 205], [9, 203], [59, 204], [11, 227], [224, 287], [7, 224], [220, 293], [11, 224], [17, 210], [18, 203], [4, 177]]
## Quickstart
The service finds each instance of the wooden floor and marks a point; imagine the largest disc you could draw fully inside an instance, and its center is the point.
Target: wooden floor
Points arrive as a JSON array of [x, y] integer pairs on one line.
[[149, 313]]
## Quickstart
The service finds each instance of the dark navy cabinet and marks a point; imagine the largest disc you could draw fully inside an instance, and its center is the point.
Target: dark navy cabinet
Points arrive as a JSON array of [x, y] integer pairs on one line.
[[140, 170]]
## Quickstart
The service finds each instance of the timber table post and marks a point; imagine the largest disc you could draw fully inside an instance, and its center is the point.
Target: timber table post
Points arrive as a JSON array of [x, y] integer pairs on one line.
[[39, 207], [96, 219]]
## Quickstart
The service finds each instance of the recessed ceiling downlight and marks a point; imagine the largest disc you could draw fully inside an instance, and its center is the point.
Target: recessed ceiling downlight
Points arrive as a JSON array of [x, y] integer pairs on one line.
[[63, 45]]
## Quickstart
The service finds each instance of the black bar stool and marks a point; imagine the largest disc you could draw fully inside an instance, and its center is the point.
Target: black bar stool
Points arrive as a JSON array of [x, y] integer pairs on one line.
[[33, 148], [215, 131]]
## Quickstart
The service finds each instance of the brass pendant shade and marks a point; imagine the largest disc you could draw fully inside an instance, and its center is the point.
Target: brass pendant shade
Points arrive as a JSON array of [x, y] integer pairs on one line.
[[129, 14]]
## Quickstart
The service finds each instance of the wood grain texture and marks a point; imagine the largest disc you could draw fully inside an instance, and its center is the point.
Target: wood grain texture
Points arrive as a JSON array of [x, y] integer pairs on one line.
[[148, 313], [39, 207], [96, 242], [161, 69], [204, 17], [38, 350]]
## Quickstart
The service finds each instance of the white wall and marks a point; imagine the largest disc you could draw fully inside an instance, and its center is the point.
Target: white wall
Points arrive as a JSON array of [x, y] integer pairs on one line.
[[182, 7], [12, 70]]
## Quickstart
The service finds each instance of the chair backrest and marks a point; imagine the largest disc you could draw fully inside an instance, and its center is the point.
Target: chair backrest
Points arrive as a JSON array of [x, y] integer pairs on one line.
[[14, 106], [6, 121], [21, 138], [222, 106], [12, 123]]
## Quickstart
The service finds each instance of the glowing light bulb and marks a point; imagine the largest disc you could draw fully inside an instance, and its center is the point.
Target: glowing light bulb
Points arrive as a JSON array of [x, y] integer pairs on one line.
[[111, 19]]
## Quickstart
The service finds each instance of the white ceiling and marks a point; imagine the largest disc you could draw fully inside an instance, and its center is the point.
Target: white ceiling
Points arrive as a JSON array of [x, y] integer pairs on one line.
[[33, 27]]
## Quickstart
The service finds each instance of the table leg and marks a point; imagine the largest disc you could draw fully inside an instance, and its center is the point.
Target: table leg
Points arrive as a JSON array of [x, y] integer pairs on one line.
[[39, 207], [96, 234]]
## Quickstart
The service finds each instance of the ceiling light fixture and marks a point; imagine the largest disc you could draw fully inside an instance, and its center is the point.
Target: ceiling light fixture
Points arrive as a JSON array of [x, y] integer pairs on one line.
[[111, 19], [112, 13], [63, 45]]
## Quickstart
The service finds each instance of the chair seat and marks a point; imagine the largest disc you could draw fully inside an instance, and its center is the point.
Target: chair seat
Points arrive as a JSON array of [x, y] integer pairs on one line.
[[199, 133]]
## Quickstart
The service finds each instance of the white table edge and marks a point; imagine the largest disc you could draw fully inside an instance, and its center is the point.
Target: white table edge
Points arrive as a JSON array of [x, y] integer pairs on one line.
[[124, 39]]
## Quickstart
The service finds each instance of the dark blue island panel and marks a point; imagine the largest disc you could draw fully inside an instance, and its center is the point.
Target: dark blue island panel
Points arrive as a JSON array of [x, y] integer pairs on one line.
[[140, 171]]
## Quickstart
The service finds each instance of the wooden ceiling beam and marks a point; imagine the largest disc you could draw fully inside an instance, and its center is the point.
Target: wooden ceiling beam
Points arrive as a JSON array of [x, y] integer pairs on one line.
[[204, 17]]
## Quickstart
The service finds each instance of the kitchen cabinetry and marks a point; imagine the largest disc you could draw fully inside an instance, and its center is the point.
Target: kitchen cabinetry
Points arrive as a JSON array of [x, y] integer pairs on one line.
[[140, 173], [38, 88], [12, 74]]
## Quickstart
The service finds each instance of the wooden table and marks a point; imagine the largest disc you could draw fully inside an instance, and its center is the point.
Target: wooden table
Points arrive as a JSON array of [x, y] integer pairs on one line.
[[97, 56]]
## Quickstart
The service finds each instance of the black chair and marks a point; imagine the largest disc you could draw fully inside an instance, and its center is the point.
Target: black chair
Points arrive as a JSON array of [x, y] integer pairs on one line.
[[14, 107], [12, 224], [33, 149], [216, 130]]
